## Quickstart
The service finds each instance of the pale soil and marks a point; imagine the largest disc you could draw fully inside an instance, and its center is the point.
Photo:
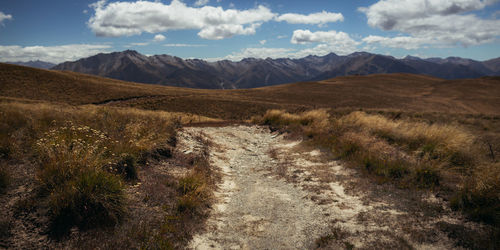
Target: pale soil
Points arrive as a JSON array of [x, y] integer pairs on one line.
[[275, 193], [279, 194]]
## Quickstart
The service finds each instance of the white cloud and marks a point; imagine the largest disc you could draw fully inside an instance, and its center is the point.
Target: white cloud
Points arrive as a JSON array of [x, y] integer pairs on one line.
[[332, 36], [183, 45], [256, 53], [329, 41], [436, 22], [262, 42], [139, 44], [4, 17], [201, 2], [159, 38], [319, 18], [404, 42], [54, 54], [133, 18], [282, 36]]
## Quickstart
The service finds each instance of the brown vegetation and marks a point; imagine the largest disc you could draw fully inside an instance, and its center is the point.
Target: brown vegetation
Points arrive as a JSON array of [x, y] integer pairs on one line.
[[64, 134], [72, 168], [378, 92], [407, 152]]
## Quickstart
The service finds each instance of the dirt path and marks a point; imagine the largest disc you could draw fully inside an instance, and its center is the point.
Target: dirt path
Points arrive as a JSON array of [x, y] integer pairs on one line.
[[275, 194]]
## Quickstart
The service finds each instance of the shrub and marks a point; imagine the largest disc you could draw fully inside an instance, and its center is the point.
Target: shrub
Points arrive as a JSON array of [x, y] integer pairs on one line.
[[427, 177], [126, 167], [194, 192], [281, 118], [480, 196], [447, 143], [4, 178], [65, 151], [91, 199]]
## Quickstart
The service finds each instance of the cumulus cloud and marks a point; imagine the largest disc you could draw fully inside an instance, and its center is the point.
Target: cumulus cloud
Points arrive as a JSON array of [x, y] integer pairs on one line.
[[53, 54], [133, 18], [159, 38], [4, 17], [319, 18], [201, 2], [262, 42], [332, 36], [404, 42], [437, 22], [329, 41], [256, 53]]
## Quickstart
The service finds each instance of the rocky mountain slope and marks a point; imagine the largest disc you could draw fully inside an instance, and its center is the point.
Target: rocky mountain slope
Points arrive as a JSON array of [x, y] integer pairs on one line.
[[251, 72]]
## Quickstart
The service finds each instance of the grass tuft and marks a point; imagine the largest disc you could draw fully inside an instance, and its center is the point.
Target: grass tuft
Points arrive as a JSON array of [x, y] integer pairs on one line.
[[92, 199], [4, 178], [408, 152]]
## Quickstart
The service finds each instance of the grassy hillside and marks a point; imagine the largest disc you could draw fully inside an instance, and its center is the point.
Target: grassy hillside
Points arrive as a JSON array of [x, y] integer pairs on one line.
[[387, 92], [415, 131]]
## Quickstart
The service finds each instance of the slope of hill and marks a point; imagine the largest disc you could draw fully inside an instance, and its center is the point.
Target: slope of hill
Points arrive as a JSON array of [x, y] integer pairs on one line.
[[250, 72], [384, 91], [35, 64]]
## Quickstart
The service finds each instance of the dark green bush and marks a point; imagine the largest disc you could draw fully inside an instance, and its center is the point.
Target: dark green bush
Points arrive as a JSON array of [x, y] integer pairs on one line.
[[481, 206], [92, 199], [427, 177], [127, 167], [4, 178]]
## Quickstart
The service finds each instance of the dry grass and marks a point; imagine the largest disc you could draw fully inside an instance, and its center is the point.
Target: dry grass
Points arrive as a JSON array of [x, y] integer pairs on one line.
[[382, 92], [421, 138], [4, 177], [431, 140], [86, 157], [408, 152]]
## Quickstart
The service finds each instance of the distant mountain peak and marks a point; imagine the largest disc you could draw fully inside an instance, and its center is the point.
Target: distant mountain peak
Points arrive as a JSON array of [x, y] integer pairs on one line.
[[408, 57], [130, 65], [35, 64]]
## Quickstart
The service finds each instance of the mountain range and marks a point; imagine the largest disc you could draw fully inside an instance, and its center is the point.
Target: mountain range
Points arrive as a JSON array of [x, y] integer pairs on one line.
[[169, 70], [35, 64]]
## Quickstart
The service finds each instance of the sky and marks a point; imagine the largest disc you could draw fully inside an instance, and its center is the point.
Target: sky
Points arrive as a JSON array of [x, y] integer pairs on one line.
[[61, 30]]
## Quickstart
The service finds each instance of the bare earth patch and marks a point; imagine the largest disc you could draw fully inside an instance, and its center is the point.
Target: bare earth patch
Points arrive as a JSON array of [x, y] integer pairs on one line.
[[278, 194]]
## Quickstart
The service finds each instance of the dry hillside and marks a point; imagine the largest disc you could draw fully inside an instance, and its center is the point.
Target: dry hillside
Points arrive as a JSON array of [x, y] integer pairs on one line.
[[393, 91]]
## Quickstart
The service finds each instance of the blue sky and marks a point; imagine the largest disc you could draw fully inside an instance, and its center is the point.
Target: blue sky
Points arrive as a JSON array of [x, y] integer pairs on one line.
[[60, 30]]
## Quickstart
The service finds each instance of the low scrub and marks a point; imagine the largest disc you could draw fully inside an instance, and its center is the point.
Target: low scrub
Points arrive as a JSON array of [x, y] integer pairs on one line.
[[84, 154], [311, 123], [4, 178], [410, 153], [448, 143], [88, 200], [480, 196], [195, 188]]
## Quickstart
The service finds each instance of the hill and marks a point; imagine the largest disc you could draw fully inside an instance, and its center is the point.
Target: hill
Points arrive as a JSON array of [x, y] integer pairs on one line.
[[35, 64], [428, 136], [383, 91], [250, 72]]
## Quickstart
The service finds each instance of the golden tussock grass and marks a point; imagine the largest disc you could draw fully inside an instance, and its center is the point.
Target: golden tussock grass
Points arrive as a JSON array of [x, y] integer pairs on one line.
[[410, 153], [436, 140], [85, 155]]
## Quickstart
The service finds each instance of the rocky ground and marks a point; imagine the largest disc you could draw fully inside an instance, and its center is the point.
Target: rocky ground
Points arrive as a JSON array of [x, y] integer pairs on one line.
[[278, 193]]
